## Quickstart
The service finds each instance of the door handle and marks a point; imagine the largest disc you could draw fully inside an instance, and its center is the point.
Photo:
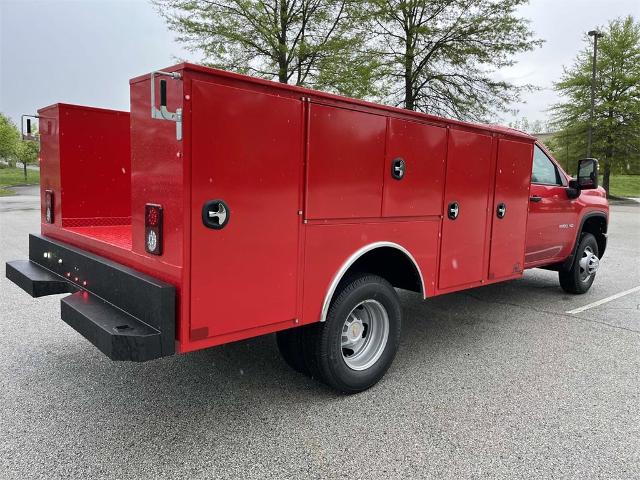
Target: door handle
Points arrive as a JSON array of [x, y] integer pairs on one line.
[[535, 199], [398, 167], [501, 210], [453, 210], [215, 214]]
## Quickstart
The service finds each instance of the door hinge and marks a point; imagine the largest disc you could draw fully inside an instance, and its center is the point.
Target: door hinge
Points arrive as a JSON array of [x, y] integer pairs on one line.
[[162, 113]]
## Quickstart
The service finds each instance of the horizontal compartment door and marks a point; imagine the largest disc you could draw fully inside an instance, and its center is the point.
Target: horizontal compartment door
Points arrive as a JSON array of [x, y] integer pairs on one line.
[[414, 169], [346, 158]]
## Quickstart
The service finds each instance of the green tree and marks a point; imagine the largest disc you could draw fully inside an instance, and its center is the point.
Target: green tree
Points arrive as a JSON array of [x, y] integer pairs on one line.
[[302, 42], [440, 56], [27, 151], [616, 121], [9, 140]]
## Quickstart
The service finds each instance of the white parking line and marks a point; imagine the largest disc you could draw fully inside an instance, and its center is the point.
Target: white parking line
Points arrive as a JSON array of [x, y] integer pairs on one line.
[[604, 300]]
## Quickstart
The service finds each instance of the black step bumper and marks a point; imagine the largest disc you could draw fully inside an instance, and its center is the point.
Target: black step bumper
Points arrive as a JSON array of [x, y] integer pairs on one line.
[[127, 314]]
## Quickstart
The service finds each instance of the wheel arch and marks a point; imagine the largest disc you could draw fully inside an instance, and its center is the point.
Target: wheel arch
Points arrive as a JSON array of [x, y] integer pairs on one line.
[[595, 223], [386, 259]]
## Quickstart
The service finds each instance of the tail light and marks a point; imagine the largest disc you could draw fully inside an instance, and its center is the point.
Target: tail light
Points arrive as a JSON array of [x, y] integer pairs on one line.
[[48, 206], [153, 229]]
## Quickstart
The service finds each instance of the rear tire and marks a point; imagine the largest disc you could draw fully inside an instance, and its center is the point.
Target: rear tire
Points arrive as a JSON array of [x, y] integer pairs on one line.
[[579, 278], [357, 343]]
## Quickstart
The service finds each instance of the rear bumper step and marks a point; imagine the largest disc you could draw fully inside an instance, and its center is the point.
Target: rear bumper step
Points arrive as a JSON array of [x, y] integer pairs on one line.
[[35, 280], [126, 314]]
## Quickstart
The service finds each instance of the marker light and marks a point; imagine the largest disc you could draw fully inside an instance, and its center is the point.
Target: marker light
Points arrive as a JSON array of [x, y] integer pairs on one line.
[[153, 228], [48, 206]]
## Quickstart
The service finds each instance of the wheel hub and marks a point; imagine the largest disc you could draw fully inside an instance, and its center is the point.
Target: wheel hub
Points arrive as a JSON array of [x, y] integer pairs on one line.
[[355, 330], [364, 335], [589, 264]]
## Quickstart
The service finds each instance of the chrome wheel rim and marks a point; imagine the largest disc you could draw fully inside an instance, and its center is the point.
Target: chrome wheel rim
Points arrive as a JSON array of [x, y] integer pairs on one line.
[[588, 264], [364, 334]]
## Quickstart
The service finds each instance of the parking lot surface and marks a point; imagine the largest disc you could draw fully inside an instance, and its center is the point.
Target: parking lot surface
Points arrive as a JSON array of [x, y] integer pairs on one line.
[[496, 382]]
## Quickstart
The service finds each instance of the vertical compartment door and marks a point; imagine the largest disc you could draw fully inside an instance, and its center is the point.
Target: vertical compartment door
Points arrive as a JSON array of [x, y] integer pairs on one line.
[[510, 207], [246, 171], [466, 200]]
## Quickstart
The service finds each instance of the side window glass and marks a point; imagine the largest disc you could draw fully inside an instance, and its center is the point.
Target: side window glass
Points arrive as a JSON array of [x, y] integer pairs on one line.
[[544, 171]]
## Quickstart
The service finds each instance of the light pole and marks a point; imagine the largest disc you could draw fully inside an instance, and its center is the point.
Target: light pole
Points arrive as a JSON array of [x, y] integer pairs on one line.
[[596, 35]]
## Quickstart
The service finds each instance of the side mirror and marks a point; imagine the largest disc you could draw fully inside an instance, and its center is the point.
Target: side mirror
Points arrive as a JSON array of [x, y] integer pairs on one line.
[[588, 173]]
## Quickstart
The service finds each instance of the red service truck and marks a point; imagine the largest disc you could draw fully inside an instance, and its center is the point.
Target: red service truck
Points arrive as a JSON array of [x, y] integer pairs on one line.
[[223, 207]]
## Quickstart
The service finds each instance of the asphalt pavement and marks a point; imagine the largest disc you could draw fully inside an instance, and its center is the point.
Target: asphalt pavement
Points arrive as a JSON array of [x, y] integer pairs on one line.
[[495, 382]]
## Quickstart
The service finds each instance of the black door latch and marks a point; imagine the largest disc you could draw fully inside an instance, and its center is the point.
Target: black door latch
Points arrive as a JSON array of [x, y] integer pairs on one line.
[[453, 210], [501, 210], [398, 167], [215, 214]]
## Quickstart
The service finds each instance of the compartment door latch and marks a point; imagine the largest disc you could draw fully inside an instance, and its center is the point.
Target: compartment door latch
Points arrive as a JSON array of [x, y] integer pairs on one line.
[[162, 113], [215, 214]]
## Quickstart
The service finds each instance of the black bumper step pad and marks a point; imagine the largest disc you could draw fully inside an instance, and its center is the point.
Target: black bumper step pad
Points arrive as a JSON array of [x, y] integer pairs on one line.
[[126, 314]]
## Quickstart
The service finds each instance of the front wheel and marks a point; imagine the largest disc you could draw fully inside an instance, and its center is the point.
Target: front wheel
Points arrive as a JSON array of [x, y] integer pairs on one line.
[[357, 343], [579, 278]]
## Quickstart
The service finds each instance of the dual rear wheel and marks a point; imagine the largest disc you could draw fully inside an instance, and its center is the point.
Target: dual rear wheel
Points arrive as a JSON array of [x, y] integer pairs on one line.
[[356, 344]]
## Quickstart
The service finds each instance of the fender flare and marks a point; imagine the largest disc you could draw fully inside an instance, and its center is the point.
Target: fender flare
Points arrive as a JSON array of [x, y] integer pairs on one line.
[[569, 261], [352, 259]]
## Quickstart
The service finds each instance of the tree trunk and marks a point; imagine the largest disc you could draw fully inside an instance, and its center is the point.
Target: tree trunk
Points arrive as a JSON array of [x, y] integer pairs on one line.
[[409, 100], [608, 158], [408, 92], [282, 44], [606, 175]]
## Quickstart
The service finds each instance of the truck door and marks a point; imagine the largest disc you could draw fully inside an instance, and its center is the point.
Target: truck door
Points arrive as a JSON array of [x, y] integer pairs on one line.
[[467, 183], [551, 226], [245, 175]]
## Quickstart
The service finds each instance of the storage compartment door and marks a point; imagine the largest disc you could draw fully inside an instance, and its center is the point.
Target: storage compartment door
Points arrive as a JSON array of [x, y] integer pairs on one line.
[[246, 165], [414, 169], [466, 200], [346, 158], [510, 207]]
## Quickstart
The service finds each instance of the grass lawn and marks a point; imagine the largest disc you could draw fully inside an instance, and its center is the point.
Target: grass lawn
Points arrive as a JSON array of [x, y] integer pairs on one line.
[[15, 176], [624, 185]]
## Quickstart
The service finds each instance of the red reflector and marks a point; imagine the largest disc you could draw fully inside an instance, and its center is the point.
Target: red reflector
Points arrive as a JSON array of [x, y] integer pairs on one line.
[[153, 228], [153, 216]]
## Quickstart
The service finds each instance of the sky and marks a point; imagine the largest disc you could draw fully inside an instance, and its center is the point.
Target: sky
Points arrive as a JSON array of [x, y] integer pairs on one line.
[[85, 51]]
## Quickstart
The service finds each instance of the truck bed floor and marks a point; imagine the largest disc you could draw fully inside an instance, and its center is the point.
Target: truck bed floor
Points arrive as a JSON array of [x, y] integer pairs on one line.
[[116, 235]]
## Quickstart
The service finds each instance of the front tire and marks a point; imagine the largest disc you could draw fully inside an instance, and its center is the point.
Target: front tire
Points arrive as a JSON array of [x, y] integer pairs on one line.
[[357, 343], [579, 278]]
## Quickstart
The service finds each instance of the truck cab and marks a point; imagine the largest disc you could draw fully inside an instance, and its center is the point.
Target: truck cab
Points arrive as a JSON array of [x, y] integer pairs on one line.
[[562, 211]]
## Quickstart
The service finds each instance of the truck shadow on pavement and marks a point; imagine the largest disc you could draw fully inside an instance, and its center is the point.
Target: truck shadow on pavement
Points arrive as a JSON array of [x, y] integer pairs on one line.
[[254, 370]]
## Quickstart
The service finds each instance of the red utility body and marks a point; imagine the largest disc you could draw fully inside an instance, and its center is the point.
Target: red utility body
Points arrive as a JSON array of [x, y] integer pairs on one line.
[[308, 182]]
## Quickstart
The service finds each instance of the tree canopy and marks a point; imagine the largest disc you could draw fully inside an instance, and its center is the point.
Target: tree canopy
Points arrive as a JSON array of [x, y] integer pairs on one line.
[[12, 147], [616, 121], [436, 56], [302, 42], [441, 56]]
